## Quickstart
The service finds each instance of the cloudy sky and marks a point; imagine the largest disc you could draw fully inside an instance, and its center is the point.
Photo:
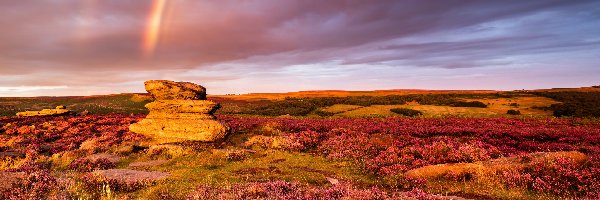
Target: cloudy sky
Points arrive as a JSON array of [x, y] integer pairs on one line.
[[86, 47]]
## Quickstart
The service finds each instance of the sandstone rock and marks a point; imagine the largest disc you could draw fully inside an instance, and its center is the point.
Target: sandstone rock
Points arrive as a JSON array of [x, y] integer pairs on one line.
[[124, 150], [84, 113], [333, 181], [109, 157], [169, 90], [491, 167], [129, 176], [147, 164], [59, 110], [180, 113]]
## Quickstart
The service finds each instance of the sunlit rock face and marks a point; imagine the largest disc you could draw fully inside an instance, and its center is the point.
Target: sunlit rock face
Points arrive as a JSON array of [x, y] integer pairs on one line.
[[59, 110], [179, 113], [170, 90]]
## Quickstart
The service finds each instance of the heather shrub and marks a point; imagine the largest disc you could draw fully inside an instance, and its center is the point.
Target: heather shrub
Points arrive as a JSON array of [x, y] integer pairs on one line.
[[50, 135], [576, 104], [307, 139], [561, 177], [513, 112], [305, 106], [477, 104], [406, 112], [284, 190], [323, 113], [274, 142], [87, 165], [37, 184]]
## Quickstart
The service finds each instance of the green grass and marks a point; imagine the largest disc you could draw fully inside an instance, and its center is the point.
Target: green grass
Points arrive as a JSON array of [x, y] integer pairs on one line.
[[188, 171], [121, 103]]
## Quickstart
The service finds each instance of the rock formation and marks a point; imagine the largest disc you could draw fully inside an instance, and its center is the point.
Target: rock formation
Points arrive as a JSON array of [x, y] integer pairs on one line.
[[179, 113], [59, 110], [491, 167]]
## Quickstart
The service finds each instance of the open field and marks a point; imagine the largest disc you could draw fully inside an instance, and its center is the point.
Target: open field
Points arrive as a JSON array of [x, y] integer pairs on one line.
[[496, 108], [343, 93], [102, 104], [343, 147], [529, 103], [345, 100], [358, 158]]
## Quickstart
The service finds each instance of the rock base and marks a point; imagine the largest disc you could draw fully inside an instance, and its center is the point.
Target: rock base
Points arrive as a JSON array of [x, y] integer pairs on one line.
[[179, 130], [180, 113]]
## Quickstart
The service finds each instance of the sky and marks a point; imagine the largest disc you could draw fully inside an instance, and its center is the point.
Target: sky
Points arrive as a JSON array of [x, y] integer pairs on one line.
[[92, 47]]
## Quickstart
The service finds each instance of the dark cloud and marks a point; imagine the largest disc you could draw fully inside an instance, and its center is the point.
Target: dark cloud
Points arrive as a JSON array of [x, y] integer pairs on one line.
[[101, 40]]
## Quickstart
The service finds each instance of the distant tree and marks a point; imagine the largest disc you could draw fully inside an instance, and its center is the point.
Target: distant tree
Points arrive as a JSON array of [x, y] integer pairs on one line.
[[477, 104], [406, 112], [513, 112]]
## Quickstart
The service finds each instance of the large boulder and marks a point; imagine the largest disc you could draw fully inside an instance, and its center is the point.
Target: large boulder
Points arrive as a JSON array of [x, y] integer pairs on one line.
[[494, 166], [180, 113], [59, 110], [170, 90]]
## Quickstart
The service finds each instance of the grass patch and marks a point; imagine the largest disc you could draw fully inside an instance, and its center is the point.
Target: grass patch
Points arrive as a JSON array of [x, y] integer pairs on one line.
[[189, 171], [406, 112]]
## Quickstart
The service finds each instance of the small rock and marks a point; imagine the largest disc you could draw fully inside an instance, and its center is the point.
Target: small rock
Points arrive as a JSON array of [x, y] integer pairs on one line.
[[333, 181], [45, 112], [84, 113], [109, 157], [124, 150], [6, 126], [61, 107], [146, 164]]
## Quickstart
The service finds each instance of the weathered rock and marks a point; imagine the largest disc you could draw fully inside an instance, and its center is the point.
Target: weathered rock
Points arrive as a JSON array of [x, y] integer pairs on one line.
[[129, 176], [178, 130], [109, 157], [491, 167], [59, 110], [169, 90], [124, 150], [147, 164], [333, 181], [180, 113], [84, 113]]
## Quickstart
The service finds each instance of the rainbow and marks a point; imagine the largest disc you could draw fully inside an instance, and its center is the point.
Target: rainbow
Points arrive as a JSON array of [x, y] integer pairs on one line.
[[152, 32]]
